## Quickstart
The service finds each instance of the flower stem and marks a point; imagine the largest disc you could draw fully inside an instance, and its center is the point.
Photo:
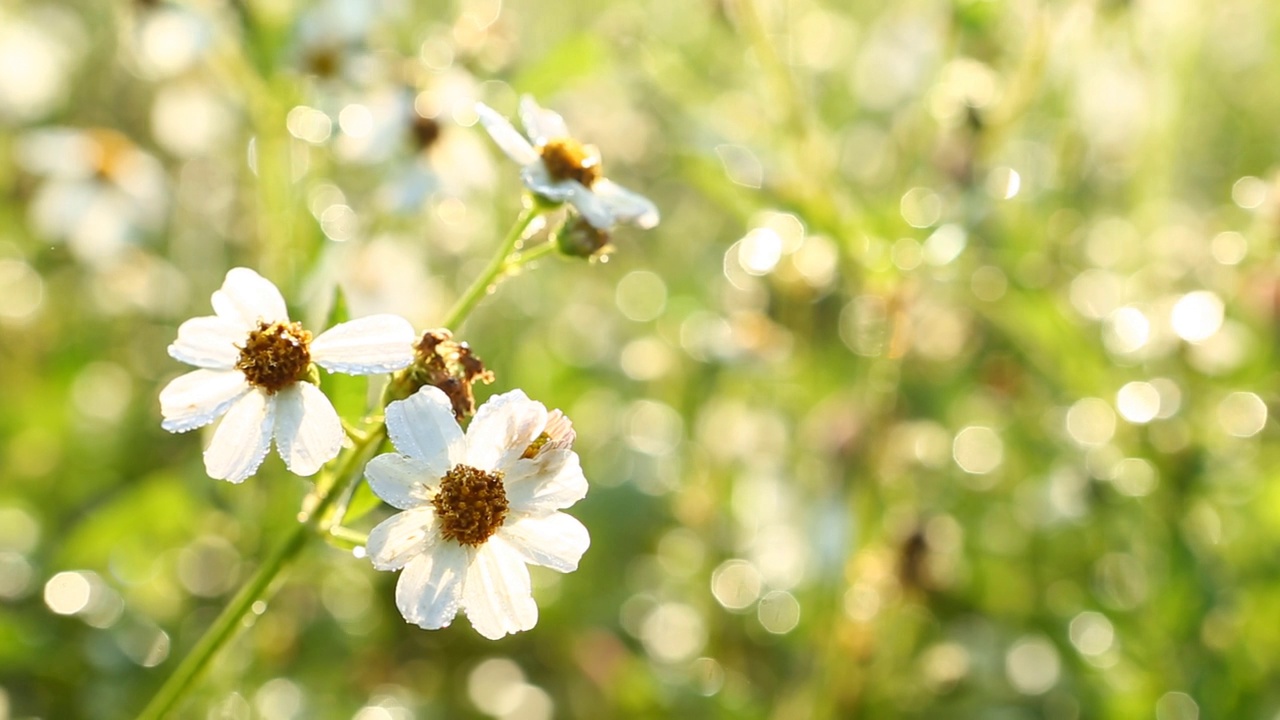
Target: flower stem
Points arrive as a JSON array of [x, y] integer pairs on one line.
[[528, 256], [224, 627], [497, 265], [258, 587]]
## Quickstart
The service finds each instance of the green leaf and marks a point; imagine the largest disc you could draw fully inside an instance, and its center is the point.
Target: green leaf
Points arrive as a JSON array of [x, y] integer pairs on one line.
[[578, 56], [363, 501], [339, 312], [348, 393]]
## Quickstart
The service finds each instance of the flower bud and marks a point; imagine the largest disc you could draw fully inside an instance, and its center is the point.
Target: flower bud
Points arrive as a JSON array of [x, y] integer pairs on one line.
[[578, 238]]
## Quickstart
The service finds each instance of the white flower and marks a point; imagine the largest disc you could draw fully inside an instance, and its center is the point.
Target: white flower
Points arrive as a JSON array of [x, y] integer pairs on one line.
[[476, 508], [251, 361], [560, 169]]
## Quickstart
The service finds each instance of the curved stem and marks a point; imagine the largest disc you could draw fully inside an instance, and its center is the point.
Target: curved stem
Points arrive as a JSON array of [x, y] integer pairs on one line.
[[316, 514], [497, 265]]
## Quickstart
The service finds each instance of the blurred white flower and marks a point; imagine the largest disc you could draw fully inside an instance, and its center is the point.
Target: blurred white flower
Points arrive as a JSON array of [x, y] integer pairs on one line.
[[253, 363], [100, 193], [561, 169], [477, 507]]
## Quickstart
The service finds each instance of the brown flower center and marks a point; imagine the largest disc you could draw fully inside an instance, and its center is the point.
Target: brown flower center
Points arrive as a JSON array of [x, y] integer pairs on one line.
[[275, 356], [567, 159], [425, 131], [471, 505]]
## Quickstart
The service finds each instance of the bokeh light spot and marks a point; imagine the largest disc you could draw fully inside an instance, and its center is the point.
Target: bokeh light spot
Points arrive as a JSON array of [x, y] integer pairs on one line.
[[641, 295], [673, 632], [1242, 414], [978, 450], [68, 593], [1138, 402], [778, 612], [921, 207], [1197, 316], [1177, 706], [21, 291], [1091, 422], [735, 584], [1032, 665]]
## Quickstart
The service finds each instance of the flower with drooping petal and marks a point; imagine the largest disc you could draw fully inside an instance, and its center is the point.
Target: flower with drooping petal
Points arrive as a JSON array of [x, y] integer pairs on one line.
[[477, 508], [557, 167], [253, 363]]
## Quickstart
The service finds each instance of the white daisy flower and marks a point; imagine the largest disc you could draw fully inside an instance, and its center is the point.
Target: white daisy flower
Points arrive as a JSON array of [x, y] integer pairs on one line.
[[252, 363], [561, 169], [477, 508]]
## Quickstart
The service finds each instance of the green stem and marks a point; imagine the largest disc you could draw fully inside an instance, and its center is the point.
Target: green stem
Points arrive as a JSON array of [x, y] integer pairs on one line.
[[329, 488], [348, 537], [496, 267], [528, 256], [224, 627], [232, 615]]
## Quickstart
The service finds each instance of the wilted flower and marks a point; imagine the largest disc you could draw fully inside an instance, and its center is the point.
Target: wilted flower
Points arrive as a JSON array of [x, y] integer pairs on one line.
[[253, 367], [559, 168], [449, 365], [477, 507]]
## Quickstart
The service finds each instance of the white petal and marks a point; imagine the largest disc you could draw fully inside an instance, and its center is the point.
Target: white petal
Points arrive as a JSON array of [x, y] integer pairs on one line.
[[197, 398], [541, 124], [403, 482], [536, 177], [209, 342], [551, 481], [365, 346], [430, 587], [508, 138], [503, 429], [422, 426], [396, 540], [625, 205], [246, 297], [241, 441], [556, 541], [591, 206], [496, 595], [308, 430]]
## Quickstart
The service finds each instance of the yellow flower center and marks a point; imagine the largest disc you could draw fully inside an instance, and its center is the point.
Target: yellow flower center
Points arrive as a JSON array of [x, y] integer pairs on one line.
[[471, 505], [275, 356], [568, 159]]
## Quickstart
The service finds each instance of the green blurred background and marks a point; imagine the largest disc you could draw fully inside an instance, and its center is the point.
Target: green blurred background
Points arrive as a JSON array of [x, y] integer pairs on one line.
[[941, 391]]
